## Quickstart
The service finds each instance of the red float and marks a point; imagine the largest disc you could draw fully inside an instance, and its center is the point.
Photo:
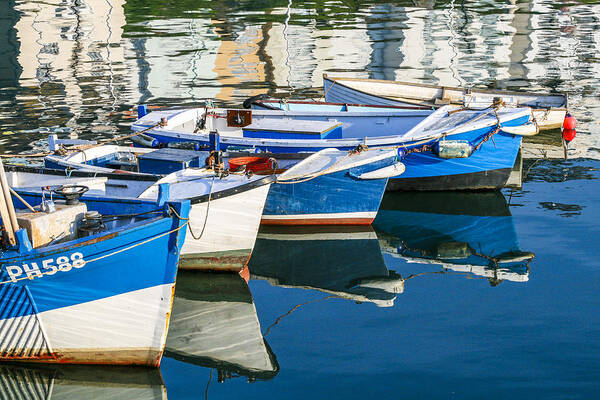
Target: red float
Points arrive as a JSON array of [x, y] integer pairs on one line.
[[569, 134], [570, 122]]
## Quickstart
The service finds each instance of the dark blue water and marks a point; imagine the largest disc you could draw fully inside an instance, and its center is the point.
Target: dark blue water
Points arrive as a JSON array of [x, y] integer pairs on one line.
[[449, 296]]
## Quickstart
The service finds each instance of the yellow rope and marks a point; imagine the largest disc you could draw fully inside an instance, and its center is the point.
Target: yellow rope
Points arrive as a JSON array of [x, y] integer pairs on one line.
[[107, 255], [333, 83]]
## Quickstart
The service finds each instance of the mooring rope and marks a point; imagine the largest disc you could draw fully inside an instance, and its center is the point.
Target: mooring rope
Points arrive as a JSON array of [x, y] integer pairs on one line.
[[205, 216]]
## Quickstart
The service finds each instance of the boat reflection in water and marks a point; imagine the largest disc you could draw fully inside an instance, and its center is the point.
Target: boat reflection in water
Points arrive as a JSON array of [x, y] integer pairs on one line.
[[463, 232], [214, 324], [343, 261], [73, 382]]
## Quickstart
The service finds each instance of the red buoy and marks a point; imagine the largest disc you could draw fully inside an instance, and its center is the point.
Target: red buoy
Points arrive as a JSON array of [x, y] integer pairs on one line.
[[570, 122], [569, 134]]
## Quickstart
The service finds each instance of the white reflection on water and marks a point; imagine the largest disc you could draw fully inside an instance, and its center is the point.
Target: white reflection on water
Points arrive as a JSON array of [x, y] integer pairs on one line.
[[79, 61]]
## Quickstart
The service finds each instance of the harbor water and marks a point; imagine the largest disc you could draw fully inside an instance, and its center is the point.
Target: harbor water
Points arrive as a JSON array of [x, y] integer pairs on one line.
[[447, 295]]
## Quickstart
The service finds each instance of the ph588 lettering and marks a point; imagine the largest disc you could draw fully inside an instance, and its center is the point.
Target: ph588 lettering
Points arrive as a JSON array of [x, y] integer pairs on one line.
[[49, 266]]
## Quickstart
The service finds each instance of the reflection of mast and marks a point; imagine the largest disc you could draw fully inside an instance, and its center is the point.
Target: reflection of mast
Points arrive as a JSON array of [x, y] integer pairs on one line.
[[451, 39]]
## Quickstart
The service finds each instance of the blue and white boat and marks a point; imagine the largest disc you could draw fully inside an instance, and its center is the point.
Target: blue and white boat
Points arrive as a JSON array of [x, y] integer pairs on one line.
[[328, 187], [89, 283], [548, 109], [449, 149], [225, 209], [464, 233]]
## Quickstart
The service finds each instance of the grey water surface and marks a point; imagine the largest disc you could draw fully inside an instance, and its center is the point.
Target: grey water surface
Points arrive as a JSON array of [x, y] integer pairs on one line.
[[455, 295]]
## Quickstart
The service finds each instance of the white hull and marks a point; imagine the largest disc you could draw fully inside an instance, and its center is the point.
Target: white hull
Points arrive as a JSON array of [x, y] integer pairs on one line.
[[137, 321], [229, 234], [549, 119]]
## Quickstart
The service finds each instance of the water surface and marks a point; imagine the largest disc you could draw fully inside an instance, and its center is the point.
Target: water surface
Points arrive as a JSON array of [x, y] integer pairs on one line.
[[441, 298]]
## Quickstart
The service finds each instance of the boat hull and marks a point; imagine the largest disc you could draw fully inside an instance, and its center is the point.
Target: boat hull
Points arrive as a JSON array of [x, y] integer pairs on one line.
[[550, 117], [113, 309], [489, 167], [230, 231], [333, 199]]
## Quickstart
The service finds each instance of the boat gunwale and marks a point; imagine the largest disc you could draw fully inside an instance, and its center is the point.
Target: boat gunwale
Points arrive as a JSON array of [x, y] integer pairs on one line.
[[265, 180], [89, 240], [339, 81]]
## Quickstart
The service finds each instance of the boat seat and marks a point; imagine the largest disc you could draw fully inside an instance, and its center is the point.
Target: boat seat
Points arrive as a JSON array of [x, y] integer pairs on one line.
[[297, 129]]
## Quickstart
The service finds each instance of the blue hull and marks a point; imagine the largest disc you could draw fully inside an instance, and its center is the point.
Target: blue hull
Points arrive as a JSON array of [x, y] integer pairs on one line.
[[336, 198]]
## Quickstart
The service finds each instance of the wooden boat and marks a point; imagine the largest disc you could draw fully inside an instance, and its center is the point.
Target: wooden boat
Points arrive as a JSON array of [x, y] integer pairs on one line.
[[214, 324], [327, 187], [224, 217], [91, 282], [481, 164], [549, 109], [470, 233], [80, 382], [342, 261]]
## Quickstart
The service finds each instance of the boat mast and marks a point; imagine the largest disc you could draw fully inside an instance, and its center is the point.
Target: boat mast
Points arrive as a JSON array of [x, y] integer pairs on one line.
[[7, 208]]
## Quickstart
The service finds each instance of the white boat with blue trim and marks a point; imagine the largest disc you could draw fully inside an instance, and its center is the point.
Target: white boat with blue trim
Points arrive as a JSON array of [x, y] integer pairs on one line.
[[549, 109], [448, 149]]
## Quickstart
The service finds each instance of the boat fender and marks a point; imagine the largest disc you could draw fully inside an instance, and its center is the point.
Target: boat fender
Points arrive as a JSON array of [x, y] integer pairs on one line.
[[569, 134], [390, 171], [453, 149], [144, 140], [569, 122], [186, 146]]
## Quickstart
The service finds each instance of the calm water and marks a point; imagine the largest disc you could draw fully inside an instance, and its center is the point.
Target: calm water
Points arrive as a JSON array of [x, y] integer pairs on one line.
[[448, 296]]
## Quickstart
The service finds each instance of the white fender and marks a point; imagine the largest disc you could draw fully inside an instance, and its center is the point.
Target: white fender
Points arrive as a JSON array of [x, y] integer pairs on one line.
[[529, 129], [386, 172]]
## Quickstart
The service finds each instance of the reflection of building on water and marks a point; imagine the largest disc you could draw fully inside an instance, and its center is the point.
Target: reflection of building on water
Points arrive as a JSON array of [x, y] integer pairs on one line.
[[343, 261], [463, 232], [214, 324], [71, 52], [80, 382]]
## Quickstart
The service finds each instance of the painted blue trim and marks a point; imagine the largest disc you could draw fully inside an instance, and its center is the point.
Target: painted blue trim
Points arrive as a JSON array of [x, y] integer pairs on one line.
[[332, 193]]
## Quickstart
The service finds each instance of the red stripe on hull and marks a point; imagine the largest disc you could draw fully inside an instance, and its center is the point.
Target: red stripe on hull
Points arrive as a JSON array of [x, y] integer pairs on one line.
[[318, 221]]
